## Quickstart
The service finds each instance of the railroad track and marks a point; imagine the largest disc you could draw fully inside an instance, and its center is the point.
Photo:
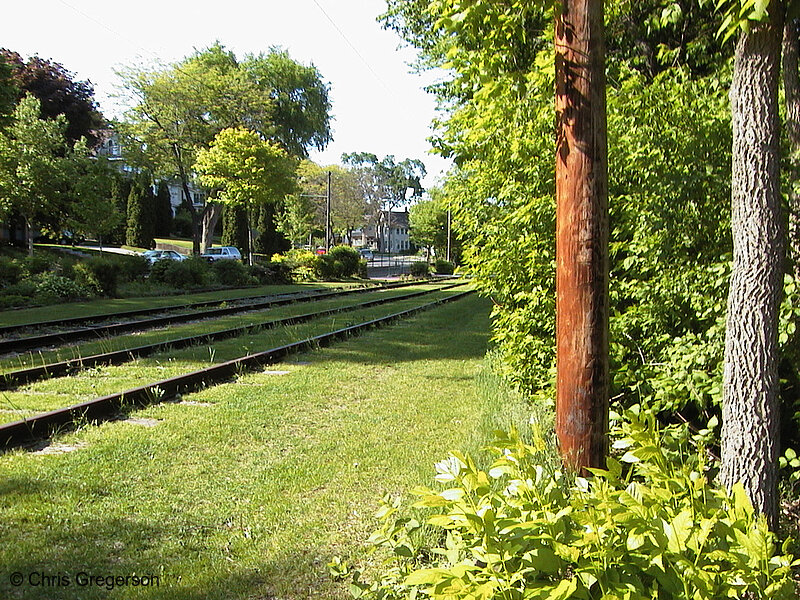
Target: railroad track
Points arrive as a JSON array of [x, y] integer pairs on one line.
[[65, 337], [18, 377], [106, 407]]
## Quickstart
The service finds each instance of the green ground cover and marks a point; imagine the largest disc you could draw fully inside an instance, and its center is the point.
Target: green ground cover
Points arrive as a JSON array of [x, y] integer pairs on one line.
[[131, 340], [51, 394], [247, 490], [110, 306]]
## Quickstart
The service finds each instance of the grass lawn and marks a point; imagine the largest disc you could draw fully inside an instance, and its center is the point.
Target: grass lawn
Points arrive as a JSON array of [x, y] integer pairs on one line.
[[110, 306], [247, 490]]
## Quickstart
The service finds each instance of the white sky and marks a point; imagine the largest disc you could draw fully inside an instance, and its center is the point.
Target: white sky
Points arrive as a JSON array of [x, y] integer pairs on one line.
[[378, 106]]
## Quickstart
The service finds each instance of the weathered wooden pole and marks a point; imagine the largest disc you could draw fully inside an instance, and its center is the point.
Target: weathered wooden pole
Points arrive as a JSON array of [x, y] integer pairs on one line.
[[582, 235]]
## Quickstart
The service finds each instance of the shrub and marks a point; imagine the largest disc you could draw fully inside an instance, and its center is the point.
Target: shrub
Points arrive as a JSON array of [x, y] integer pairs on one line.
[[133, 268], [182, 224], [302, 263], [51, 288], [343, 261], [10, 272], [36, 264], [444, 267], [651, 526], [98, 275], [272, 273], [419, 268], [231, 273], [192, 272]]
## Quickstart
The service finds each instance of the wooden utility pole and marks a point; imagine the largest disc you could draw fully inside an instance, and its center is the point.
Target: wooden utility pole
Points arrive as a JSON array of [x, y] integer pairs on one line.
[[328, 229], [582, 235]]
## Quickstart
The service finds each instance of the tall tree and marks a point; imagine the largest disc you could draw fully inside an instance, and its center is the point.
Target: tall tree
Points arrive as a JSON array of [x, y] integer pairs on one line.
[[301, 116], [388, 183], [750, 384], [58, 92], [791, 83], [163, 211], [179, 109], [32, 165], [582, 304], [94, 210], [246, 170]]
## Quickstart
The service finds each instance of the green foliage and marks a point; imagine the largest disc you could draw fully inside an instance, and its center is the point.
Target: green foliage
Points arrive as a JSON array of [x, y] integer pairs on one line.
[[191, 273], [51, 287], [302, 264], [444, 267], [272, 273], [651, 526], [343, 261], [419, 268], [100, 275], [232, 273], [140, 226]]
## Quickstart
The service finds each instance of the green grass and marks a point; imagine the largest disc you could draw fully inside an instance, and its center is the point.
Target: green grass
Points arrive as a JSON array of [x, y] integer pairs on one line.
[[247, 490], [102, 380], [110, 306], [131, 340]]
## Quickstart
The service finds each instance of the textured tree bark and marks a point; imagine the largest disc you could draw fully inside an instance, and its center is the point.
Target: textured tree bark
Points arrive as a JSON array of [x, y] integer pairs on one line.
[[791, 86], [582, 235], [750, 386]]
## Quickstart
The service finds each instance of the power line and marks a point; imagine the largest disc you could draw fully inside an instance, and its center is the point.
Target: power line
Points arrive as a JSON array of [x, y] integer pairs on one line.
[[353, 47]]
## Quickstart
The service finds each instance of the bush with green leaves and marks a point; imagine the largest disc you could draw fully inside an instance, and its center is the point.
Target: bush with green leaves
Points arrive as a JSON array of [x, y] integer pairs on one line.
[[51, 287], [232, 273], [190, 273], [652, 526], [271, 273], [303, 264], [444, 267], [10, 271], [419, 268], [99, 275]]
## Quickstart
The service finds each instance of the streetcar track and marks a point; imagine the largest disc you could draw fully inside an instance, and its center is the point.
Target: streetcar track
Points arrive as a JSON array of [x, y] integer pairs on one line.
[[103, 408], [11, 345], [12, 379]]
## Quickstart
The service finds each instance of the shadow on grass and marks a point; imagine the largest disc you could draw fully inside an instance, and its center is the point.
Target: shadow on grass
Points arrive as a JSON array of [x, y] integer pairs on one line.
[[82, 559], [454, 331]]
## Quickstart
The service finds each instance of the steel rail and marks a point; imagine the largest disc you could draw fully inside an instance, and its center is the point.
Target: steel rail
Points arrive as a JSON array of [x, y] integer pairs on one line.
[[12, 379], [12, 329], [64, 337], [103, 408]]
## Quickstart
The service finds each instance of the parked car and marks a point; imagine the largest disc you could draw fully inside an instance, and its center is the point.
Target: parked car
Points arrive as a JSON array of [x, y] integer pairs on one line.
[[155, 255], [320, 250], [222, 253], [366, 253]]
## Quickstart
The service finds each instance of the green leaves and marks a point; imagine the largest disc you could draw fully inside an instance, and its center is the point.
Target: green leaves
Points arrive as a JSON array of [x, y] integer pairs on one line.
[[650, 530]]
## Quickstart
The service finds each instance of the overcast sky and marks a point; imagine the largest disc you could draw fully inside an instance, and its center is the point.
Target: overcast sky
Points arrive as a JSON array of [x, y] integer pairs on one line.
[[378, 105]]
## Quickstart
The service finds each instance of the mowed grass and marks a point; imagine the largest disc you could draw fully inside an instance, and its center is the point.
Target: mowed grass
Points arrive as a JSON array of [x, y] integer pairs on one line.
[[111, 306], [247, 490], [130, 340], [28, 400]]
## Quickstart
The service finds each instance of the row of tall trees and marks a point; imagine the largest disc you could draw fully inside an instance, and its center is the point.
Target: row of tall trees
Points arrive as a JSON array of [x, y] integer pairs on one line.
[[676, 241], [183, 110]]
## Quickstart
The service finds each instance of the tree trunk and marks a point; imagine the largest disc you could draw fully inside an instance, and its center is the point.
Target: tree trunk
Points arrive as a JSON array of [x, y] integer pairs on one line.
[[28, 236], [582, 235], [211, 216], [791, 85], [750, 384]]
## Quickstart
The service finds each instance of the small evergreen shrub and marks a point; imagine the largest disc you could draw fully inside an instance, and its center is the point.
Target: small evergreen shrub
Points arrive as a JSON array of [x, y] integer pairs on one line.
[[419, 268], [231, 273], [302, 264], [10, 272], [444, 267], [133, 268], [98, 275], [344, 261], [192, 272], [653, 526], [272, 273]]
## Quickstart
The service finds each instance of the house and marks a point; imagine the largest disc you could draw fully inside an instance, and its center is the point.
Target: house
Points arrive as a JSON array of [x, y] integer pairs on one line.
[[110, 147], [389, 234]]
